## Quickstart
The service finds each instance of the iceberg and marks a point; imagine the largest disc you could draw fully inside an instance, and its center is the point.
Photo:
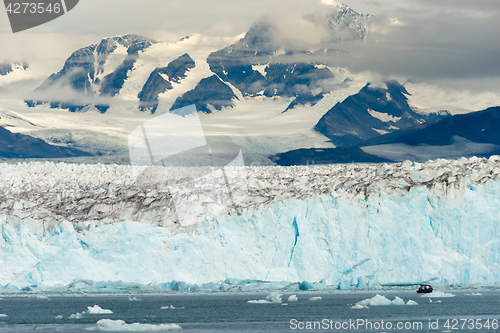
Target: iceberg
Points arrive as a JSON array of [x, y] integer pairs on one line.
[[292, 298], [271, 298], [379, 300], [76, 227], [78, 315], [96, 309]]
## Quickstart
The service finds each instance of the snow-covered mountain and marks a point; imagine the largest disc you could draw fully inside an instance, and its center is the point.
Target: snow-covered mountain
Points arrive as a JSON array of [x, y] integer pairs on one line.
[[8, 68], [268, 91], [373, 111], [257, 64]]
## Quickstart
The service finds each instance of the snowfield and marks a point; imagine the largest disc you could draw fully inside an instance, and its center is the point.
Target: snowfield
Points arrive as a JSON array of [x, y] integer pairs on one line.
[[92, 227]]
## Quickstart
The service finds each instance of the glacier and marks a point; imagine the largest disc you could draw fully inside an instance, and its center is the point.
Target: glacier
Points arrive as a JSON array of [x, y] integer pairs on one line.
[[78, 227]]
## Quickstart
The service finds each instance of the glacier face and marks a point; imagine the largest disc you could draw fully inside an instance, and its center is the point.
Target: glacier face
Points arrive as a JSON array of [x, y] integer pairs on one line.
[[345, 225]]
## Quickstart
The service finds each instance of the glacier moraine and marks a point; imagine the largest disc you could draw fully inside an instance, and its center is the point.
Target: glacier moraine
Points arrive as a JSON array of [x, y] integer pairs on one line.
[[76, 226]]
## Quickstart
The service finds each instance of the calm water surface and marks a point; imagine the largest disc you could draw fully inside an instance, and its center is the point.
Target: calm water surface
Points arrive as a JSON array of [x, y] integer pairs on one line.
[[231, 312]]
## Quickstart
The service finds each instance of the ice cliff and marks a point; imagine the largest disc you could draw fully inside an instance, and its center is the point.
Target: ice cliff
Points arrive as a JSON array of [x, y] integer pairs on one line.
[[66, 225]]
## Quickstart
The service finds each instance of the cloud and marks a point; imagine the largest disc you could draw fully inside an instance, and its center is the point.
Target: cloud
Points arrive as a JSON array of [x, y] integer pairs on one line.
[[447, 40]]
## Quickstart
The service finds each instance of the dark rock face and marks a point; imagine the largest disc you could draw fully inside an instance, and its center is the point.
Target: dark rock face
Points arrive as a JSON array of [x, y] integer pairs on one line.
[[304, 99], [325, 156], [478, 127], [285, 76], [210, 93], [15, 145], [5, 69], [82, 67], [234, 64], [371, 112], [161, 79]]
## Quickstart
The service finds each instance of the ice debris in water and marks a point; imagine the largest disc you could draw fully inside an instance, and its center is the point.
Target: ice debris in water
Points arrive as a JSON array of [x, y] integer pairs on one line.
[[438, 294], [59, 317], [171, 307], [293, 298], [3, 315], [78, 315], [121, 326], [359, 306], [411, 302], [378, 300], [315, 298], [96, 309], [271, 298]]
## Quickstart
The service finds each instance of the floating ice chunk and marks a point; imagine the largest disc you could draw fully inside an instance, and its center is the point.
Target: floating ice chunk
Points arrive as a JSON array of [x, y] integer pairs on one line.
[[121, 326], [78, 315], [381, 300], [132, 299], [293, 298], [476, 294], [284, 303], [274, 298], [59, 317], [171, 307], [96, 309], [410, 302], [315, 298], [397, 301], [438, 294], [359, 306], [259, 301], [3, 315]]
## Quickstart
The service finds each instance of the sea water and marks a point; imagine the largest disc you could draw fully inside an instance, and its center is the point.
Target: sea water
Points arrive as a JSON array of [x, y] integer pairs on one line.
[[461, 311]]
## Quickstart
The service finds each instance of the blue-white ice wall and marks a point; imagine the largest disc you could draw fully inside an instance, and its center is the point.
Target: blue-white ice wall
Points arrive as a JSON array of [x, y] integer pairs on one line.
[[348, 242]]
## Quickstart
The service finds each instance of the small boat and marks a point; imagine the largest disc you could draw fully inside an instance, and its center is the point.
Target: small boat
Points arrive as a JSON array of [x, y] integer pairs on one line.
[[424, 288]]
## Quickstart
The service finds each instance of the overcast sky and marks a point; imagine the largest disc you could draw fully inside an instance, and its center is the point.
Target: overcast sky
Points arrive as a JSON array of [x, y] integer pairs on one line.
[[445, 39]]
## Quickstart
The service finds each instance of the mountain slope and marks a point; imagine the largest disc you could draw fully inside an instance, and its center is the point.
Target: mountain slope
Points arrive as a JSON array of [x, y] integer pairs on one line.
[[161, 79], [480, 127], [16, 145], [96, 70], [466, 135], [373, 111]]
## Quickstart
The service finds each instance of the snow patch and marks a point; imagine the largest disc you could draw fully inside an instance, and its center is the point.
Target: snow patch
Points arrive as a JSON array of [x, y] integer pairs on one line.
[[379, 131], [385, 117], [260, 68]]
